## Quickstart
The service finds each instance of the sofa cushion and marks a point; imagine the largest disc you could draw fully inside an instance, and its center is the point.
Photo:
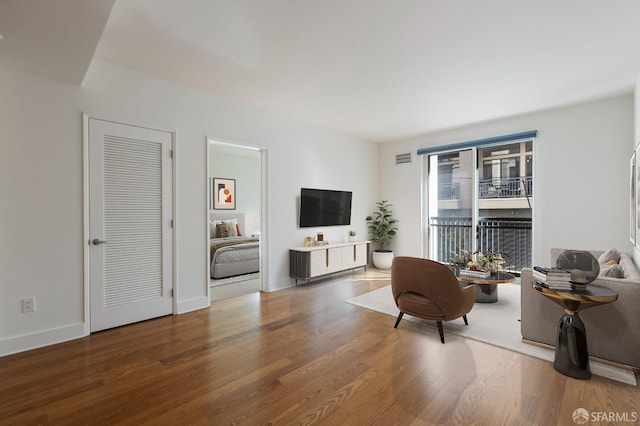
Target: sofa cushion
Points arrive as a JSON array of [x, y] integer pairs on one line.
[[609, 255], [612, 271], [629, 268]]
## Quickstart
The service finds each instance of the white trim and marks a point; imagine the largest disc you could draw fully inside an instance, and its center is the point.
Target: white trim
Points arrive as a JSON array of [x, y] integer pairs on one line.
[[85, 218], [264, 208], [43, 338], [281, 285], [264, 220], [207, 210], [174, 209], [194, 304]]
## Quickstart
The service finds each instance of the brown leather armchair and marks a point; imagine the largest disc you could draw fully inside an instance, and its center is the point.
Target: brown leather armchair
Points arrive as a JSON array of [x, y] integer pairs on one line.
[[426, 289]]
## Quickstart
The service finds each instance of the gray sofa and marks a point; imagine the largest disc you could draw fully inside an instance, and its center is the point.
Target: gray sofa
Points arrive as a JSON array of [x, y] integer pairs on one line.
[[613, 330]]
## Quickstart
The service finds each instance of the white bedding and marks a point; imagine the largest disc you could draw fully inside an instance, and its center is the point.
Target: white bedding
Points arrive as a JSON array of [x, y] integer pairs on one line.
[[234, 256]]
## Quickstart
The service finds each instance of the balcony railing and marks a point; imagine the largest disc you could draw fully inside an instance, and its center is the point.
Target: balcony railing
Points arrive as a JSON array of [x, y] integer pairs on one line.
[[449, 191], [516, 187], [512, 237]]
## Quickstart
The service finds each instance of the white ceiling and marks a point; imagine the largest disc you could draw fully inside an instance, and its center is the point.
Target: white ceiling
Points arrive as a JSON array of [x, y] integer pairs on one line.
[[375, 69]]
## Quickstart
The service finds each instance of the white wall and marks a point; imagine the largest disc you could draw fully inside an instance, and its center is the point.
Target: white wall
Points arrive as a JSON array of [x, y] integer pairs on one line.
[[41, 212], [581, 183]]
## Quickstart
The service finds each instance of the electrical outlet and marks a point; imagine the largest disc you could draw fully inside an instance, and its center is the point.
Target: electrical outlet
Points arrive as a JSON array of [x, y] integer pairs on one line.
[[29, 305]]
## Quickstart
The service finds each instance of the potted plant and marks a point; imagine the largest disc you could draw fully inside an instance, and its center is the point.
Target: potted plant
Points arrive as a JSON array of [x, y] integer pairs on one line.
[[352, 235], [382, 228], [460, 260]]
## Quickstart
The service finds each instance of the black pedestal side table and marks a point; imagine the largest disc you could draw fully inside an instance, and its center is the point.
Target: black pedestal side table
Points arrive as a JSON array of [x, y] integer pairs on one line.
[[572, 355]]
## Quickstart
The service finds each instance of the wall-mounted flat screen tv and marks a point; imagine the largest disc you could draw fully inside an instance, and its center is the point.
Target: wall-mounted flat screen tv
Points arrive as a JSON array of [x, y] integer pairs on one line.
[[323, 207]]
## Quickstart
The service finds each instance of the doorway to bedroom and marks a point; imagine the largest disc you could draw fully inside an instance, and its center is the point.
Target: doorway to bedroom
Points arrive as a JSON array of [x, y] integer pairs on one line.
[[235, 208]]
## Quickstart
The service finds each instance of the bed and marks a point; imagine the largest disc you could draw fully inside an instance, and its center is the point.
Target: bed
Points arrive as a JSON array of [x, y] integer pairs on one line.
[[231, 253]]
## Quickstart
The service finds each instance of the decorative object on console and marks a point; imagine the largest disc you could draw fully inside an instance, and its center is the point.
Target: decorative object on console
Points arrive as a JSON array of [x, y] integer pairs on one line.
[[223, 193], [582, 265], [352, 236], [382, 228]]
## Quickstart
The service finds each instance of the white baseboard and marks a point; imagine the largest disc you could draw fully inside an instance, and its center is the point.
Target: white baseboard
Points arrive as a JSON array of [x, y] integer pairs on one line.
[[281, 285], [194, 304], [25, 342]]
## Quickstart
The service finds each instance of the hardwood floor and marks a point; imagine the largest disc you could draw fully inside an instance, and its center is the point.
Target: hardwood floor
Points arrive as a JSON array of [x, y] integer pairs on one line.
[[297, 356]]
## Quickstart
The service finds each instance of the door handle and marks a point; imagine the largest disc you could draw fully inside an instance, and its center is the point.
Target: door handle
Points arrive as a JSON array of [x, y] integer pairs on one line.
[[97, 242]]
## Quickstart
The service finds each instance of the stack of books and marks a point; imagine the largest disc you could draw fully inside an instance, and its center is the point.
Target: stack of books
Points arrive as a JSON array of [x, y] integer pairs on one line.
[[472, 273], [553, 277]]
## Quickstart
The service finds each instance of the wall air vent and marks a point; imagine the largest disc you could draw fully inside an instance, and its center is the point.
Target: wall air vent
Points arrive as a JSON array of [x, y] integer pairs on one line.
[[403, 158]]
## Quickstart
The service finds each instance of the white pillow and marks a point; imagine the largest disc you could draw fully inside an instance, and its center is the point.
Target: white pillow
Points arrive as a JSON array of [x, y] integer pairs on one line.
[[611, 254], [613, 271], [231, 226], [212, 228]]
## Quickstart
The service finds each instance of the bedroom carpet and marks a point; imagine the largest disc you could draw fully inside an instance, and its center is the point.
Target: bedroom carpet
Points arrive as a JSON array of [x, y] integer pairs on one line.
[[493, 323]]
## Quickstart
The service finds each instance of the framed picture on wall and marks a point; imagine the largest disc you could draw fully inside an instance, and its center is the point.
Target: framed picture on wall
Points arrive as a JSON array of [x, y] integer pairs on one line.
[[632, 198], [223, 193]]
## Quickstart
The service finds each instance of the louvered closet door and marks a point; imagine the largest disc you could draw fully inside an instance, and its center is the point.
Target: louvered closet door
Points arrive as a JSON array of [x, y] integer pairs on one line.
[[130, 213]]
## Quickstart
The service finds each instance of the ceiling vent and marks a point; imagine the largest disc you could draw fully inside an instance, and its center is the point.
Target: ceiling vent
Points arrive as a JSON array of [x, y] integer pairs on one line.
[[403, 158]]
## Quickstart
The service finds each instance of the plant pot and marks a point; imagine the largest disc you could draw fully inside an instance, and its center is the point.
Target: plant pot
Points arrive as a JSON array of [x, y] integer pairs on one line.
[[382, 259], [352, 238]]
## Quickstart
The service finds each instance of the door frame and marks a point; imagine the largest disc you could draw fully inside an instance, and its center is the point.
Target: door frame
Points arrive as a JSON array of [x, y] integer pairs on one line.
[[264, 209], [85, 217]]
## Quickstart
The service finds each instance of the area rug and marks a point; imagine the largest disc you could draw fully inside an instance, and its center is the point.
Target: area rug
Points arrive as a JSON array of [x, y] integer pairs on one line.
[[503, 330]]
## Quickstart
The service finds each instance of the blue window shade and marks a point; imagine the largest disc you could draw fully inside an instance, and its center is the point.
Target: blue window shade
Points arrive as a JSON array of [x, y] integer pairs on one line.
[[479, 142]]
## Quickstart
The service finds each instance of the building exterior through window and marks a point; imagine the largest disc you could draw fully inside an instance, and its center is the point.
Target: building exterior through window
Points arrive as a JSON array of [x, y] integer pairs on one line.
[[481, 199]]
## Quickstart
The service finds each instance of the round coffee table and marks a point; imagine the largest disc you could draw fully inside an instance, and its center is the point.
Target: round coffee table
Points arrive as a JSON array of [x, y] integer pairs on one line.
[[572, 356], [487, 287]]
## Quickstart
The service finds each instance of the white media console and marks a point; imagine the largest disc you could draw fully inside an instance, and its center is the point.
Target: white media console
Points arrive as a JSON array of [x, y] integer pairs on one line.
[[306, 263]]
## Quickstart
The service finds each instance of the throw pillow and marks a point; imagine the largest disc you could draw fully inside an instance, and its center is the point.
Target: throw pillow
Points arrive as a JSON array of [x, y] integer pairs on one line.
[[607, 264], [238, 230], [212, 229], [613, 271], [611, 254], [231, 226], [222, 230]]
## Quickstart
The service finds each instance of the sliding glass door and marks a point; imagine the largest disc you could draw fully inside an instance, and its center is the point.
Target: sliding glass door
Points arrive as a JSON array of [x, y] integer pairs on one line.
[[451, 204], [480, 199]]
